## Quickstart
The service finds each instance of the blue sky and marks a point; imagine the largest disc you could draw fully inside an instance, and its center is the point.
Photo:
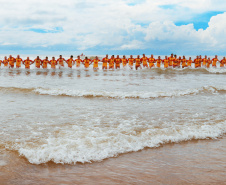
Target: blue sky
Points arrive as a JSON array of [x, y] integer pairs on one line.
[[115, 26]]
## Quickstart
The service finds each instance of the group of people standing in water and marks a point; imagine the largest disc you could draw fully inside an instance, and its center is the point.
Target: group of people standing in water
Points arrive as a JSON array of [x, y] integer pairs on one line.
[[115, 62]]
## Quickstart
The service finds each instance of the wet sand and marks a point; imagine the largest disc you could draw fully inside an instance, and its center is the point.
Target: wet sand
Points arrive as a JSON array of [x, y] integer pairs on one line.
[[192, 162]]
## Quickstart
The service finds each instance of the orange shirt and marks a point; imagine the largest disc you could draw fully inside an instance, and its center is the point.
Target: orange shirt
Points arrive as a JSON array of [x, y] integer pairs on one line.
[[151, 62], [27, 63], [6, 62], [131, 61], [124, 62], [70, 62], [45, 63], [61, 61], [18, 62], [78, 62], [95, 63], [189, 63], [117, 62], [166, 63], [208, 62], [144, 60], [138, 61], [86, 62], [175, 62], [204, 61], [196, 63], [184, 61], [222, 62], [111, 62], [171, 60], [11, 61], [214, 62], [105, 62], [158, 62], [0, 62], [38, 62], [53, 63]]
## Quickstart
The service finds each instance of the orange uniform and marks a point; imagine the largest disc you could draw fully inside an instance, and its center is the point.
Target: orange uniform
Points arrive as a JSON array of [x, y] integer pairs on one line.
[[18, 62], [204, 61], [166, 63], [111, 63], [0, 62], [117, 62], [60, 61], [222, 62], [151, 62], [196, 61], [175, 62], [214, 64], [11, 61], [124, 62], [189, 63], [53, 64], [6, 62], [158, 61], [208, 62], [171, 60], [86, 62], [78, 62], [38, 62], [131, 61], [145, 61], [184, 63], [45, 63], [105, 62], [70, 62], [27, 63], [95, 63], [138, 62]]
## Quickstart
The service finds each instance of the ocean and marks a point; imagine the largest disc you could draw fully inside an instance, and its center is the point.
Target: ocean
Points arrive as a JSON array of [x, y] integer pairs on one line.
[[78, 126]]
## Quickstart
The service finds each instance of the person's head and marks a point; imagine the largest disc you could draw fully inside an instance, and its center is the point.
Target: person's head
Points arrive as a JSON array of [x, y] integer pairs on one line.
[[179, 57], [106, 55], [117, 56], [10, 56], [152, 56], [172, 55], [38, 57], [113, 56], [5, 57], [124, 57], [224, 58], [189, 58], [18, 56], [183, 57], [215, 56], [46, 58], [200, 56], [175, 56], [159, 57], [78, 57], [71, 56], [96, 57], [205, 57], [197, 57], [209, 58], [138, 56], [143, 55], [131, 56], [27, 58], [53, 58], [165, 57], [60, 56], [86, 58]]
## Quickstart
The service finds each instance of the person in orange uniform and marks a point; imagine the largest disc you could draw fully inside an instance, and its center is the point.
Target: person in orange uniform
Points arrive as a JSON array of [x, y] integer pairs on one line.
[[38, 62], [144, 60], [0, 63], [189, 62], [138, 61], [86, 62], [53, 63], [200, 60], [27, 62], [151, 61], [45, 63], [95, 63], [11, 61], [175, 61], [166, 62], [70, 61], [18, 61], [131, 61], [208, 62], [158, 62], [214, 61], [124, 61], [5, 62], [111, 62], [196, 61], [78, 61], [204, 61], [105, 62], [61, 61], [171, 60], [222, 62], [117, 62], [184, 62]]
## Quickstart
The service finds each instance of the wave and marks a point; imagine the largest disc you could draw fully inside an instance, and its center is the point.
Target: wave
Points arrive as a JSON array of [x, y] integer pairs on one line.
[[70, 144], [115, 94]]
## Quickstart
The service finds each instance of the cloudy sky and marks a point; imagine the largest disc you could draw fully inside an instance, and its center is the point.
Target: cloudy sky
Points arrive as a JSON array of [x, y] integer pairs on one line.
[[113, 26]]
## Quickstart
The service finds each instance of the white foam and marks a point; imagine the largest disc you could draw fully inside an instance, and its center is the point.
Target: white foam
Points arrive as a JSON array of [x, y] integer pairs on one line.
[[120, 94], [95, 141]]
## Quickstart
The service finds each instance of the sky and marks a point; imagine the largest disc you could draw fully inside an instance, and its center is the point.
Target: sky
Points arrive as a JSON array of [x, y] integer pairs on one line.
[[160, 27]]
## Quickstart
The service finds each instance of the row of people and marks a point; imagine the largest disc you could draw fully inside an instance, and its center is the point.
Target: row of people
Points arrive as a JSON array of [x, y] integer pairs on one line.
[[115, 62]]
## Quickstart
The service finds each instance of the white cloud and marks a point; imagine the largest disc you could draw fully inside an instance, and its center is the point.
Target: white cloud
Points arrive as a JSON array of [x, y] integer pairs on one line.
[[114, 24]]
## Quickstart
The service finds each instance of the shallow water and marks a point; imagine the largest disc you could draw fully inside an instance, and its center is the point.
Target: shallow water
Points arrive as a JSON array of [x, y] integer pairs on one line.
[[53, 121]]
